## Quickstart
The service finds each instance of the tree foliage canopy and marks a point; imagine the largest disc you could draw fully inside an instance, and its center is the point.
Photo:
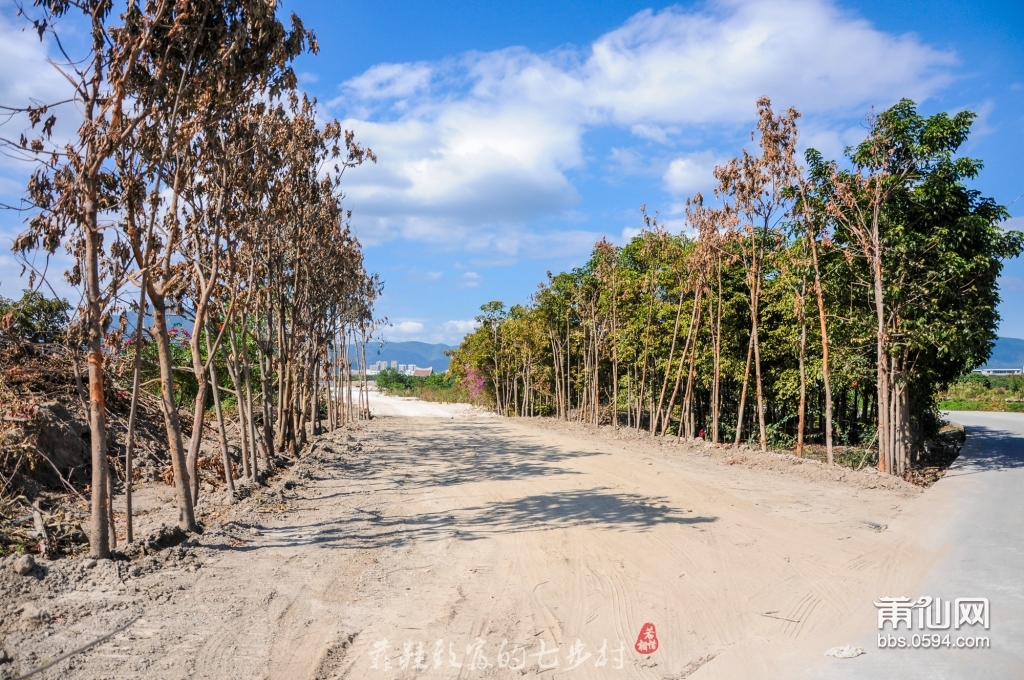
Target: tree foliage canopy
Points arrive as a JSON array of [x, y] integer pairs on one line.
[[833, 288]]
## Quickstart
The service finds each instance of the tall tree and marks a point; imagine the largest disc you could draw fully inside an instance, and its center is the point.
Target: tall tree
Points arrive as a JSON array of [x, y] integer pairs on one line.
[[926, 240]]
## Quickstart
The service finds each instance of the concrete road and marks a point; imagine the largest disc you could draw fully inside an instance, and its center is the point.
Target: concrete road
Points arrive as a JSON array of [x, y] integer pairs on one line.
[[981, 527]]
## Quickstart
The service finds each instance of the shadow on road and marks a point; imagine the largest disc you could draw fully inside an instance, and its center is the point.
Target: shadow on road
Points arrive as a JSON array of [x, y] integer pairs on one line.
[[544, 512], [464, 453], [988, 449]]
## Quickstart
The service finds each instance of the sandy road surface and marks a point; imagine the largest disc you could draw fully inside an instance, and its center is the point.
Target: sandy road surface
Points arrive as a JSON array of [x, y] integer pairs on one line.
[[383, 405], [979, 527], [463, 532]]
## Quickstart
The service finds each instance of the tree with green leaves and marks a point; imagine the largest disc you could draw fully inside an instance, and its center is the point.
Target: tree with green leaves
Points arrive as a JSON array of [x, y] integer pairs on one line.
[[898, 256], [931, 250]]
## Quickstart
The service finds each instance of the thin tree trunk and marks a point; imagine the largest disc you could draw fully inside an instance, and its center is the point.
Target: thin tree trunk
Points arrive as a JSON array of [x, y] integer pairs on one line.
[[803, 377], [348, 369], [234, 371], [186, 513], [755, 310], [629, 397], [99, 539], [222, 430], [686, 413], [760, 394], [267, 442], [615, 354], [365, 380], [682, 361], [568, 368], [198, 423], [884, 406], [743, 392], [825, 371], [716, 386], [641, 387], [668, 367], [129, 448], [110, 510]]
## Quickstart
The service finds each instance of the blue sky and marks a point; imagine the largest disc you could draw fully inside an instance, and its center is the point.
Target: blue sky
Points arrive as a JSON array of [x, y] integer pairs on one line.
[[512, 136]]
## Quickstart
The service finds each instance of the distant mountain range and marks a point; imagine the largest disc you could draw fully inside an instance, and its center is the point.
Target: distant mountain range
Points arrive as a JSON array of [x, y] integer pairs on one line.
[[1007, 353], [420, 353]]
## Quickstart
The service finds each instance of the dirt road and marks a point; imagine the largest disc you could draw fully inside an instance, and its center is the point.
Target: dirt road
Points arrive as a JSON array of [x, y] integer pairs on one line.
[[467, 546]]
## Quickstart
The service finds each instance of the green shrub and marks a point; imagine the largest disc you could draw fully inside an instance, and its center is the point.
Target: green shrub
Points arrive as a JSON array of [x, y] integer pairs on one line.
[[438, 381], [976, 379], [34, 318], [390, 380]]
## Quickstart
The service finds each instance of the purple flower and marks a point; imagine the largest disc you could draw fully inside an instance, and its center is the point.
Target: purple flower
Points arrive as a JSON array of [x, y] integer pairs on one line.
[[474, 382]]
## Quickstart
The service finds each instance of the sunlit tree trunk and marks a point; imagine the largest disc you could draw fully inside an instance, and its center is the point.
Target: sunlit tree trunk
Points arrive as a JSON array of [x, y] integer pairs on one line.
[[182, 486], [99, 539], [221, 428], [755, 312], [668, 367], [825, 368], [743, 391], [234, 366], [716, 385], [801, 414]]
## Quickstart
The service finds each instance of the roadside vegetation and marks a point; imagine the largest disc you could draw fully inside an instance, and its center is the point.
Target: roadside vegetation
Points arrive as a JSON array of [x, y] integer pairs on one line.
[[976, 392], [198, 196], [811, 305], [437, 387]]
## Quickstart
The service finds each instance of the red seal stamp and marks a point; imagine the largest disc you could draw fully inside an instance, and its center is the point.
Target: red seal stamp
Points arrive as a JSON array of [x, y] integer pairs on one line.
[[647, 640]]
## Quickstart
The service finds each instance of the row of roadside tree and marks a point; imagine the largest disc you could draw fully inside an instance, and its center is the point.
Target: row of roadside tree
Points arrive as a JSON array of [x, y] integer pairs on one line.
[[807, 301], [187, 178]]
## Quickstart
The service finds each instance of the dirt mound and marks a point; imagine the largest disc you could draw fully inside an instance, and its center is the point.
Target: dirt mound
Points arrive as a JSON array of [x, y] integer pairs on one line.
[[51, 432], [163, 537]]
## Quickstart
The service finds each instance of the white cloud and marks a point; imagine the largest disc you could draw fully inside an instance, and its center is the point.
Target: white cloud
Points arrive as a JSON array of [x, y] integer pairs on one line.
[[407, 327], [544, 245], [656, 133], [691, 173], [11, 187], [628, 234], [449, 332], [708, 67], [460, 326], [470, 280], [27, 75], [475, 147], [453, 175], [391, 81], [453, 331], [829, 138]]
